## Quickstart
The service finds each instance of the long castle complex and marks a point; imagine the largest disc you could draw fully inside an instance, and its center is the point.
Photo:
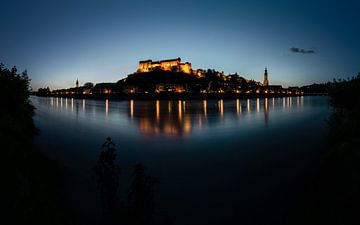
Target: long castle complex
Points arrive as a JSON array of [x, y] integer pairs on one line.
[[167, 65]]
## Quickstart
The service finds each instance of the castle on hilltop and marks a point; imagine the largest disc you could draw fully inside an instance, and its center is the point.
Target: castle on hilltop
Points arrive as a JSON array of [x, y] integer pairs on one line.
[[174, 65]]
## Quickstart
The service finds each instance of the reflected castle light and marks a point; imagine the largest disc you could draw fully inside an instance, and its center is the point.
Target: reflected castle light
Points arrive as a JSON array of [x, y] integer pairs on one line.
[[205, 107], [106, 107], [169, 106], [172, 119], [221, 107], [157, 109], [238, 107], [180, 109], [284, 102], [131, 108]]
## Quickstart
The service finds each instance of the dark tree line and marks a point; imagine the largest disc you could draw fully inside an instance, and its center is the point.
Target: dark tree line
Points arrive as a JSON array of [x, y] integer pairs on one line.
[[333, 191], [44, 91], [29, 190]]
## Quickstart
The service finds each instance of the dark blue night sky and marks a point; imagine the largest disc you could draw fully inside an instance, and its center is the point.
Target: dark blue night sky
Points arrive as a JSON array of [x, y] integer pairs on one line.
[[301, 42]]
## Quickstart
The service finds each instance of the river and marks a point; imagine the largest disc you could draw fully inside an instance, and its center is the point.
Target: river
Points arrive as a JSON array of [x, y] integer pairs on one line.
[[218, 161]]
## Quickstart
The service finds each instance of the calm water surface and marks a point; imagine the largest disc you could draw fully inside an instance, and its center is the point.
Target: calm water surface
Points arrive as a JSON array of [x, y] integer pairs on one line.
[[217, 161]]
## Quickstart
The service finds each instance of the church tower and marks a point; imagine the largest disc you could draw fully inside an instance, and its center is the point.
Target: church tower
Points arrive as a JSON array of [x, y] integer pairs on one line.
[[266, 81], [77, 83]]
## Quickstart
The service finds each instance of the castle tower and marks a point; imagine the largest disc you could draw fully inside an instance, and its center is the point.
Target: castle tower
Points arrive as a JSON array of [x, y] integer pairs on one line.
[[77, 83], [266, 81]]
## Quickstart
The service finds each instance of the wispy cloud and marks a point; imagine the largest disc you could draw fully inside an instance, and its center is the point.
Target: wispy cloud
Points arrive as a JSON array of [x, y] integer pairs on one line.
[[302, 50]]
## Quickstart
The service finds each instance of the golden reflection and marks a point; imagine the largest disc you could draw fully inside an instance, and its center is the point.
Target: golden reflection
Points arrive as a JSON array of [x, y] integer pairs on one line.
[[169, 107], [167, 126], [52, 101], [297, 101], [248, 106], [184, 106], [107, 106], [180, 109], [257, 105], [66, 103], [131, 108], [187, 126], [238, 107], [221, 107], [205, 107], [157, 109], [172, 121], [284, 102], [83, 104], [146, 127], [57, 102], [273, 103], [302, 101]]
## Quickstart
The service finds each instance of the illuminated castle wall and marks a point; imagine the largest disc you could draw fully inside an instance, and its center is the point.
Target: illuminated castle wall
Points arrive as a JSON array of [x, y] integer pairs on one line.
[[168, 65]]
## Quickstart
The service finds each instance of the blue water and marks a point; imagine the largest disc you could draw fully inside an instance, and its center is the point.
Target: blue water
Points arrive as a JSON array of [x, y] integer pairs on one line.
[[218, 161]]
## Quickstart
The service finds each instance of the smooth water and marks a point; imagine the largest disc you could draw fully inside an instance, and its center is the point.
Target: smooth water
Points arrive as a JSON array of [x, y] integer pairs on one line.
[[218, 161]]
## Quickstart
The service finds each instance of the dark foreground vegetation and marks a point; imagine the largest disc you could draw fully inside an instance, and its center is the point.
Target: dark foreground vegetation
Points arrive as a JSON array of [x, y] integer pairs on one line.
[[29, 181], [332, 194], [31, 184], [139, 206]]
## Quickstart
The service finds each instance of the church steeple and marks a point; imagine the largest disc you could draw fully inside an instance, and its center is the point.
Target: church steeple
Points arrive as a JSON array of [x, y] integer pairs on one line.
[[77, 83], [266, 81]]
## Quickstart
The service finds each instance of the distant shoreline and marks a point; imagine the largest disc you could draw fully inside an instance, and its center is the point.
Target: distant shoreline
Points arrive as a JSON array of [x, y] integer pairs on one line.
[[180, 96]]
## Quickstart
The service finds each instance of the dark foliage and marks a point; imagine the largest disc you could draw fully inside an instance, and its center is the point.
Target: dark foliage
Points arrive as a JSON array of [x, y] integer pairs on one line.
[[89, 85], [29, 190], [140, 206], [333, 195], [44, 91], [107, 174]]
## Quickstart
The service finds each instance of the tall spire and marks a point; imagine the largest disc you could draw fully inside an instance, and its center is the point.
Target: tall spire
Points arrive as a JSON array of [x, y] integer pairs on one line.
[[77, 83], [266, 81]]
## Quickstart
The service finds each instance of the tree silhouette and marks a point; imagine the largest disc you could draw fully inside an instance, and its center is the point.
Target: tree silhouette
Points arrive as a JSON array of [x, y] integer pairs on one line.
[[30, 182], [141, 202], [89, 85], [107, 174]]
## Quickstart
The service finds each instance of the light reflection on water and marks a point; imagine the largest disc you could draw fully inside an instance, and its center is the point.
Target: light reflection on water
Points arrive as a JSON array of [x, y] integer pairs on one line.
[[172, 118]]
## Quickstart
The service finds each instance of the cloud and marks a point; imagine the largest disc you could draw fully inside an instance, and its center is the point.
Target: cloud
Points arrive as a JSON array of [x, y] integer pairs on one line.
[[302, 51]]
